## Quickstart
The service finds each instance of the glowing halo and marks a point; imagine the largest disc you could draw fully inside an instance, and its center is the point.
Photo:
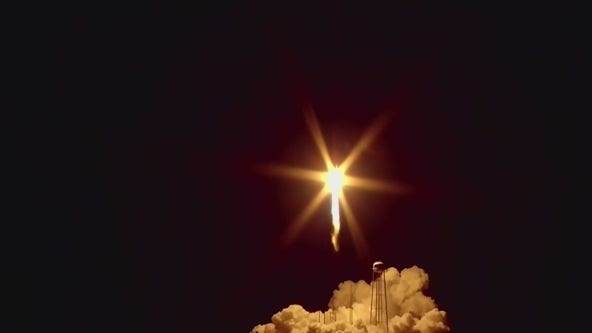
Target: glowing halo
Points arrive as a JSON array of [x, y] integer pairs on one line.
[[335, 179]]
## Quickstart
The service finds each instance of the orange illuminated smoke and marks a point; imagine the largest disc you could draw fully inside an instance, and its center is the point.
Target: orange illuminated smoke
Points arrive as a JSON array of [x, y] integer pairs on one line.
[[335, 179]]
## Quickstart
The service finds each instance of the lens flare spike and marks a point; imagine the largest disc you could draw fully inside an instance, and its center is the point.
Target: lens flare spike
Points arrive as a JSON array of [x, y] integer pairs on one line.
[[366, 139], [317, 135], [352, 223]]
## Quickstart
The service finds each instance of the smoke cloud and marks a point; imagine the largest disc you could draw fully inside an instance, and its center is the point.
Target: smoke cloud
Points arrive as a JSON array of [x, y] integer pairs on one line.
[[408, 309]]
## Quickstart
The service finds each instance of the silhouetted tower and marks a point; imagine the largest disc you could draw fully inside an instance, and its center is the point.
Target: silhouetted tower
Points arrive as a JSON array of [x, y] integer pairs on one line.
[[331, 318], [378, 303], [351, 304]]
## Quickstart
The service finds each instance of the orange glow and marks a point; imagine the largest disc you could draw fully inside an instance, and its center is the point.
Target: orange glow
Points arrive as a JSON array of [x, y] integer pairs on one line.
[[373, 185], [295, 172], [335, 179]]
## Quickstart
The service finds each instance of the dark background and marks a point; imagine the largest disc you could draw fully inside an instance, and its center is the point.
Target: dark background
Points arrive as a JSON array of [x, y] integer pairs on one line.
[[149, 122]]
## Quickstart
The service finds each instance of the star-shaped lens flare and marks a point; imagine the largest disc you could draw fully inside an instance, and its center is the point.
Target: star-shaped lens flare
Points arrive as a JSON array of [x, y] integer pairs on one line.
[[335, 179]]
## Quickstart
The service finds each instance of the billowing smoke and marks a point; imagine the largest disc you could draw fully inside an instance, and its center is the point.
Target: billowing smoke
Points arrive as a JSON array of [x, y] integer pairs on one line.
[[408, 310]]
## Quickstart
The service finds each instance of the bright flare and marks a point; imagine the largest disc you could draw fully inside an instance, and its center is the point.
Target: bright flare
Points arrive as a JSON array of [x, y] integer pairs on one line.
[[335, 180]]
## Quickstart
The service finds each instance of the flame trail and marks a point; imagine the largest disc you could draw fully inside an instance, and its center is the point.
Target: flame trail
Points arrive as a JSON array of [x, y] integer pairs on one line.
[[335, 179], [335, 215]]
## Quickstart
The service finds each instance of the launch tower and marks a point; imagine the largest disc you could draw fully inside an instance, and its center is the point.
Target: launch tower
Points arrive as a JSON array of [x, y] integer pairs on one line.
[[378, 301]]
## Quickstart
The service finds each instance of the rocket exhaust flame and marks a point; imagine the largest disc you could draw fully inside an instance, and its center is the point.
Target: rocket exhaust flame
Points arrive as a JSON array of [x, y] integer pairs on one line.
[[335, 179], [335, 216]]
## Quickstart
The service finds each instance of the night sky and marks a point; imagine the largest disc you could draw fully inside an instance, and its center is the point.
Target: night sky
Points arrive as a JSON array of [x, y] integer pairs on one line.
[[165, 223]]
